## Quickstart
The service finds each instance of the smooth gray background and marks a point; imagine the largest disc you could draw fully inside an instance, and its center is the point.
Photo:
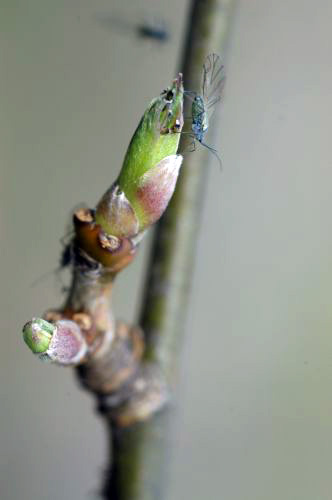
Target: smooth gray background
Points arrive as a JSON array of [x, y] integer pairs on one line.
[[255, 417]]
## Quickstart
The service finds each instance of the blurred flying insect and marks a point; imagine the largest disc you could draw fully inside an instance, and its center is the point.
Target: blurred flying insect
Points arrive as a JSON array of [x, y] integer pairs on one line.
[[156, 31], [203, 105], [153, 29]]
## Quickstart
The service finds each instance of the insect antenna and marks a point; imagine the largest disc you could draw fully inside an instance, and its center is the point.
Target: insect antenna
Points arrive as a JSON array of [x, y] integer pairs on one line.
[[213, 151]]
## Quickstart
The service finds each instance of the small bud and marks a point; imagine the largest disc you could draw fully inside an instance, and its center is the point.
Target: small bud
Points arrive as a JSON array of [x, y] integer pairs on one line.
[[37, 334], [68, 346], [115, 214], [61, 342]]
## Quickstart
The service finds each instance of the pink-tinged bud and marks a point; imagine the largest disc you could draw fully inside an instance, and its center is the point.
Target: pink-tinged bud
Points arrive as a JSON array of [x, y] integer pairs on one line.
[[115, 214], [61, 341], [155, 190], [67, 346]]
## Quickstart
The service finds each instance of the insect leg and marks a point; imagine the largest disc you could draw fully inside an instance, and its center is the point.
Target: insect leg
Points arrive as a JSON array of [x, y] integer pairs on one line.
[[190, 94], [193, 146]]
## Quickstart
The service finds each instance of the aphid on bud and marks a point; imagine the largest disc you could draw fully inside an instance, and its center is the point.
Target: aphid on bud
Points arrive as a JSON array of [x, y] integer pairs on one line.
[[66, 255], [203, 105]]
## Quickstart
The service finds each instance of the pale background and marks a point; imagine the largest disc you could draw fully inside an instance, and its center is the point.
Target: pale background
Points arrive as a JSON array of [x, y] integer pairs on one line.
[[255, 418]]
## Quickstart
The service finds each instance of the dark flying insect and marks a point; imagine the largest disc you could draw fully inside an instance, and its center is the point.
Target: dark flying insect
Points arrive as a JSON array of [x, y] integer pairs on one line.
[[156, 31], [153, 29]]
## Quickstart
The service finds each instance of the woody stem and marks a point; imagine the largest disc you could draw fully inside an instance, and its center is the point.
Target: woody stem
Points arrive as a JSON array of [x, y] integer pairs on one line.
[[140, 452]]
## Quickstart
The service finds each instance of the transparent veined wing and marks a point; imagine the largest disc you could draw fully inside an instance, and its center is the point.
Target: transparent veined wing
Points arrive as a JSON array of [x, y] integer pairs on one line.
[[213, 80]]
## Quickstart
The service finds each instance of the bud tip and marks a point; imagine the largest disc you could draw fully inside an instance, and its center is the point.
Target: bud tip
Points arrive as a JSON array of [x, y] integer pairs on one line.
[[37, 334]]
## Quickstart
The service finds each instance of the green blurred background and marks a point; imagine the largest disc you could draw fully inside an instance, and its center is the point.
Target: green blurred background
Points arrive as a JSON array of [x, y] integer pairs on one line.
[[255, 404]]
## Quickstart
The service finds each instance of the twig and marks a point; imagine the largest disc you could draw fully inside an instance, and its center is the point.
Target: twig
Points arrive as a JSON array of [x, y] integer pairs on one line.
[[82, 333], [140, 453], [129, 372]]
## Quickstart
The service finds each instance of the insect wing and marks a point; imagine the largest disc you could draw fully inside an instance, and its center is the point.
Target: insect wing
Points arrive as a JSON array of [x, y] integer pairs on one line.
[[213, 80]]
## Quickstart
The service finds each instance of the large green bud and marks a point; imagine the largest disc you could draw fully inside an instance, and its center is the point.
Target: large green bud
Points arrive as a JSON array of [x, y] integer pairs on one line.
[[150, 169]]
